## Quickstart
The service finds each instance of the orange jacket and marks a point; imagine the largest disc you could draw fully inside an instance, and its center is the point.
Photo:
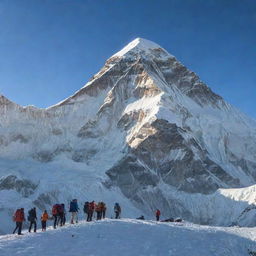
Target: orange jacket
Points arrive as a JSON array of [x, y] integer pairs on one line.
[[44, 216], [19, 216]]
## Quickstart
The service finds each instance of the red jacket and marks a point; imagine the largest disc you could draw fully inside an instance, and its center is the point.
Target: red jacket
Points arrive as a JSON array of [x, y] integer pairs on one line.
[[19, 216], [158, 213]]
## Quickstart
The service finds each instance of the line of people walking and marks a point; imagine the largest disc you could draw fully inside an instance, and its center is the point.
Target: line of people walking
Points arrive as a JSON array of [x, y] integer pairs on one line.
[[59, 215]]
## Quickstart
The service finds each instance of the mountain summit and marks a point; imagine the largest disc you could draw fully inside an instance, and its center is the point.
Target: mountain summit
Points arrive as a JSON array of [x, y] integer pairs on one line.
[[144, 131], [138, 44]]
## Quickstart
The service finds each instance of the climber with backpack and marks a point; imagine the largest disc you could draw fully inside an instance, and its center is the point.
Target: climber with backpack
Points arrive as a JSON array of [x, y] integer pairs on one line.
[[86, 210], [55, 215], [158, 213], [32, 218], [98, 210], [74, 211], [19, 217], [91, 210], [62, 213], [117, 210], [44, 219]]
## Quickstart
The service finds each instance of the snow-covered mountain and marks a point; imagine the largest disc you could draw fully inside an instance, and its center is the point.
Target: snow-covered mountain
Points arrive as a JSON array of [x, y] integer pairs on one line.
[[144, 131]]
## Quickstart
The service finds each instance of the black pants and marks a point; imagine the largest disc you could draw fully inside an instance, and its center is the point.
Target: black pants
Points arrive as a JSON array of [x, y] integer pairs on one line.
[[89, 216], [157, 218], [43, 225], [99, 214], [117, 215], [33, 222], [55, 221], [61, 219], [64, 219], [103, 214], [19, 227]]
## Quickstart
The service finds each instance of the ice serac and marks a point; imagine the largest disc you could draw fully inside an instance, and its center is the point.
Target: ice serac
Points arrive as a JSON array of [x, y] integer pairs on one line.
[[144, 130]]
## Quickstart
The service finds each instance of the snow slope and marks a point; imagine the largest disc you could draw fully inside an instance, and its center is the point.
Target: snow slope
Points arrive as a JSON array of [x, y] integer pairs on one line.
[[132, 237]]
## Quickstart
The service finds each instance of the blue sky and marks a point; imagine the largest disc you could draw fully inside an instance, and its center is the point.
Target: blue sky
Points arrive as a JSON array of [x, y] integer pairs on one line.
[[50, 48]]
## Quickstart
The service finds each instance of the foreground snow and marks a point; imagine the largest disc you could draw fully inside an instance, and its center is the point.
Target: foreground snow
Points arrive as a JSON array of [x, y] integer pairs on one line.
[[132, 237]]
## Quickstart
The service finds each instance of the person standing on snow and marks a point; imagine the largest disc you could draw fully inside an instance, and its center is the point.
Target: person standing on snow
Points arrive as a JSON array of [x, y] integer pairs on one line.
[[55, 215], [62, 214], [74, 210], [98, 211], [32, 219], [91, 210], [158, 213], [117, 210], [44, 219], [86, 210], [103, 209], [19, 217]]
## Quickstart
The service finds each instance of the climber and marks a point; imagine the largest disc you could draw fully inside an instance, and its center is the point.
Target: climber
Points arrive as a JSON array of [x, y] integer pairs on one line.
[[90, 210], [32, 219], [103, 209], [158, 213], [98, 211], [19, 217], [55, 215], [44, 219], [74, 210], [62, 214], [117, 210], [86, 210]]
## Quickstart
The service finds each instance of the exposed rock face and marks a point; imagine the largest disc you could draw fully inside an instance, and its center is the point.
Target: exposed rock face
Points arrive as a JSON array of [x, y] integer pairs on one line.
[[145, 124], [24, 187], [190, 170]]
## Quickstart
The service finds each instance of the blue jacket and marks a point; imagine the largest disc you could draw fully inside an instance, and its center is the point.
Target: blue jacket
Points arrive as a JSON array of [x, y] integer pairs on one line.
[[73, 207]]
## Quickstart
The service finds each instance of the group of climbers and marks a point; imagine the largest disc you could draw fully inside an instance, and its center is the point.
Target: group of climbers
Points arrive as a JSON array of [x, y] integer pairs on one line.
[[59, 215], [19, 218], [91, 207]]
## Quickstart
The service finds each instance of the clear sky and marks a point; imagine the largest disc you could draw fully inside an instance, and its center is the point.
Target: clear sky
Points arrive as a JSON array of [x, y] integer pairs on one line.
[[50, 48]]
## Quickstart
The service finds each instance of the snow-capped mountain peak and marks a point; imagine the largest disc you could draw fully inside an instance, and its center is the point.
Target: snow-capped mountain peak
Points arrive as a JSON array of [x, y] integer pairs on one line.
[[139, 45]]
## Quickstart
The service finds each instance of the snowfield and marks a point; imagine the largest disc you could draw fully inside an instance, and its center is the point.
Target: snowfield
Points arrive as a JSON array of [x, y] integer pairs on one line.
[[132, 237]]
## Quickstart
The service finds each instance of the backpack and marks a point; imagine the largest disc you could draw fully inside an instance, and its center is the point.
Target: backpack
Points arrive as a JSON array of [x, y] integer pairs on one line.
[[55, 209], [60, 208], [29, 215], [86, 207]]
